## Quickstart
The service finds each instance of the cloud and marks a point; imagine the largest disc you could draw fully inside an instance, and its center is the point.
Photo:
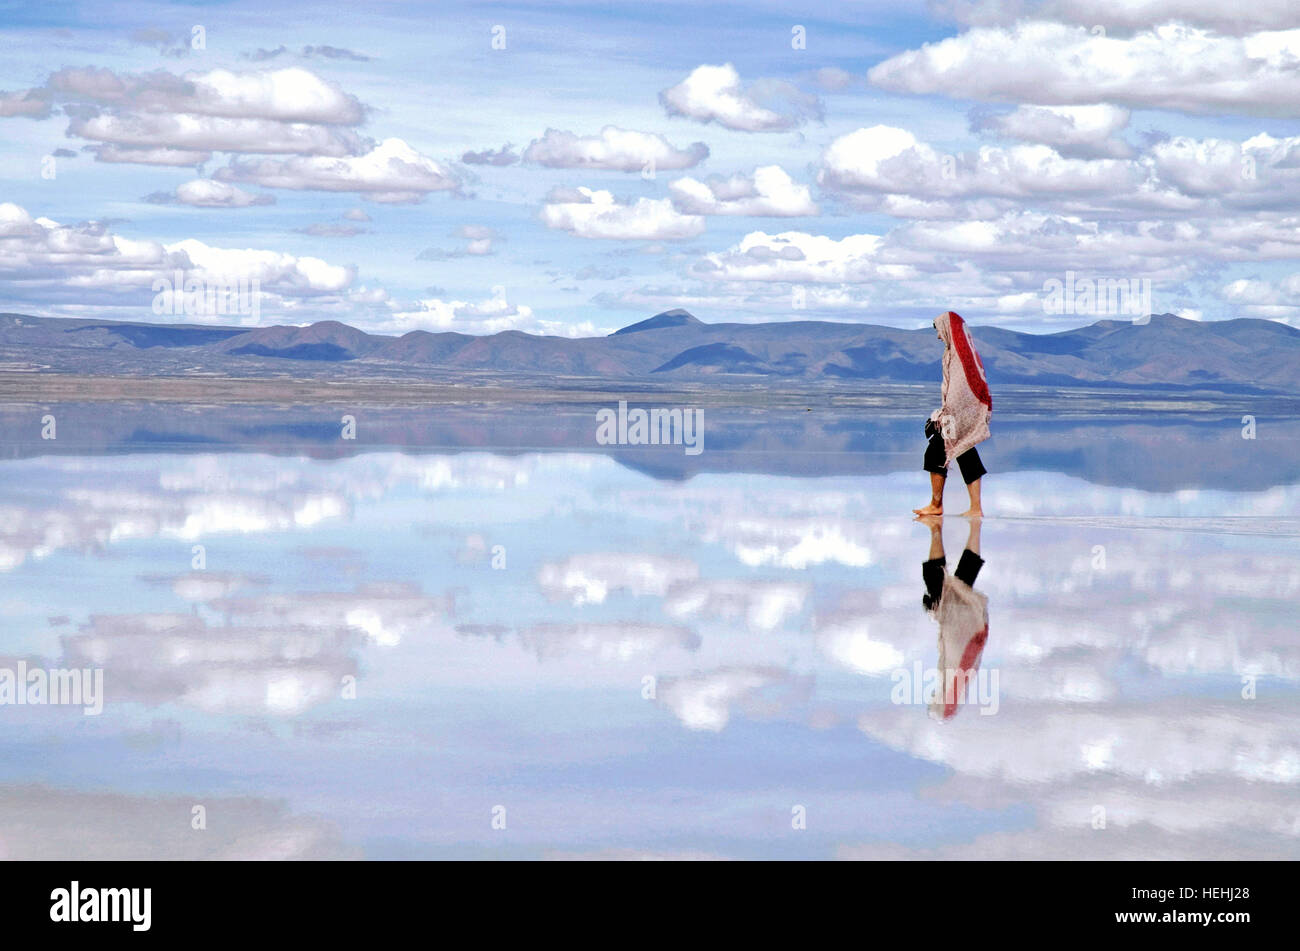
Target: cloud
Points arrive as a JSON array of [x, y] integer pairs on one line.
[[1171, 66], [1074, 131], [889, 161], [616, 641], [150, 132], [590, 578], [715, 94], [704, 701], [506, 155], [261, 55], [616, 149], [48, 823], [206, 193], [32, 103], [285, 95], [768, 192], [1276, 300], [763, 606], [1232, 19], [328, 230], [392, 172], [489, 316], [87, 263], [797, 256], [179, 158], [140, 117], [334, 52], [598, 215], [478, 243], [833, 79], [166, 43]]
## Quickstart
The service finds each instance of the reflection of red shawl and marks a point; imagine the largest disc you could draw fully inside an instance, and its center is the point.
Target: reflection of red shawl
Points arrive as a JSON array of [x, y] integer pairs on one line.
[[964, 416], [963, 617]]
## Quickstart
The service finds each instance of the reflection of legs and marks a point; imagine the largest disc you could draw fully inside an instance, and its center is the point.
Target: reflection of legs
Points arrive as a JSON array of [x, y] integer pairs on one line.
[[973, 539], [932, 570], [970, 563], [936, 538]]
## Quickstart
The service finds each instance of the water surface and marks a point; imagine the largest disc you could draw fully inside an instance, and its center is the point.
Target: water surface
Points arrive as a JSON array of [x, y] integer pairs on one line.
[[473, 616]]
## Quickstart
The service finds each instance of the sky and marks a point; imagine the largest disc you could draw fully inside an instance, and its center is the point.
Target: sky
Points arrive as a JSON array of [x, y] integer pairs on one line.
[[570, 168]]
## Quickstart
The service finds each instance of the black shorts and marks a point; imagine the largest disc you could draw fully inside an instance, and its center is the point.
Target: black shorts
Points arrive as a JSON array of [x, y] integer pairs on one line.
[[969, 461], [968, 569]]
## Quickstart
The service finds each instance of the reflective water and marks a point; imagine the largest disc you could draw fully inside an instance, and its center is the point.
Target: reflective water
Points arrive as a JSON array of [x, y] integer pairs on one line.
[[393, 648]]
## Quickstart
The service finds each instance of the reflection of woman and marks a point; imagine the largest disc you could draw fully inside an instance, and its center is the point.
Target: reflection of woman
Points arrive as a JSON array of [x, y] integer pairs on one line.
[[962, 613], [963, 419]]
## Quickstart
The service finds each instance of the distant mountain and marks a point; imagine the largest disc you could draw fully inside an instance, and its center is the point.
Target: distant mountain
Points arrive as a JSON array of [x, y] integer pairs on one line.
[[669, 318], [1242, 355]]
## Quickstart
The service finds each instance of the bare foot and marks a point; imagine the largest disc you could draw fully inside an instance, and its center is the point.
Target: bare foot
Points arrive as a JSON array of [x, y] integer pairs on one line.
[[930, 509], [934, 521], [972, 513]]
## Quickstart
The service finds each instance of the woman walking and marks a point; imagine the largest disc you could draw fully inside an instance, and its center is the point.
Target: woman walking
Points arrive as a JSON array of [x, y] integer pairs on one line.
[[961, 421]]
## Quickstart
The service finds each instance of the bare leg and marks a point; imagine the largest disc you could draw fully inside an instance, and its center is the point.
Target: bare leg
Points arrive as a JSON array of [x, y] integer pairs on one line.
[[936, 535], [975, 511], [936, 496], [973, 539]]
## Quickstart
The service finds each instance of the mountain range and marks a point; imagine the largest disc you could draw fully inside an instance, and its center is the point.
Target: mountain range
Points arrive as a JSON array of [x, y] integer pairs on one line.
[[1242, 355]]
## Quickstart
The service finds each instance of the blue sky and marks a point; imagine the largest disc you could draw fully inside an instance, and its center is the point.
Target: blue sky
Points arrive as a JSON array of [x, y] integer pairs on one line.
[[570, 168]]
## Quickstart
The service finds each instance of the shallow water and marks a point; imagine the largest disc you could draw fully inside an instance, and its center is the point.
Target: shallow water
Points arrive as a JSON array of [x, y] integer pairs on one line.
[[481, 619]]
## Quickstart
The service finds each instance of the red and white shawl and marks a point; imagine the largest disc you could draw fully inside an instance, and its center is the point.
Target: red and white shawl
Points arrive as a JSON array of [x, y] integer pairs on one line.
[[963, 419]]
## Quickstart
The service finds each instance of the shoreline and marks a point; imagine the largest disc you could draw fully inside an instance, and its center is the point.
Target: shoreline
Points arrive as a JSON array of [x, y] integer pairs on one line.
[[28, 387]]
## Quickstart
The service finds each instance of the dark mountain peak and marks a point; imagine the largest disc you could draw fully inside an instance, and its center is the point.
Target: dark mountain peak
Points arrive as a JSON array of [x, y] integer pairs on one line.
[[669, 318]]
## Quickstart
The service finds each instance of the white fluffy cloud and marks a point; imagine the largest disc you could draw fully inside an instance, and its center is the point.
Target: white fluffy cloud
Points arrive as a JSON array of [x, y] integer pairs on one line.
[[285, 95], [392, 172], [704, 701], [588, 213], [887, 169], [1074, 131], [206, 193], [715, 94], [489, 316], [1277, 300], [1234, 19], [590, 578], [149, 132], [769, 191], [796, 256], [885, 160], [618, 149], [163, 118], [87, 263], [1171, 66]]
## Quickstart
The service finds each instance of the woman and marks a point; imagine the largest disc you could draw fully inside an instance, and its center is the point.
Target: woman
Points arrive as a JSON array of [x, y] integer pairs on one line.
[[963, 419]]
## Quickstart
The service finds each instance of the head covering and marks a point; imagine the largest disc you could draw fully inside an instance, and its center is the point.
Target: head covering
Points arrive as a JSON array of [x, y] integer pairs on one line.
[[963, 419]]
